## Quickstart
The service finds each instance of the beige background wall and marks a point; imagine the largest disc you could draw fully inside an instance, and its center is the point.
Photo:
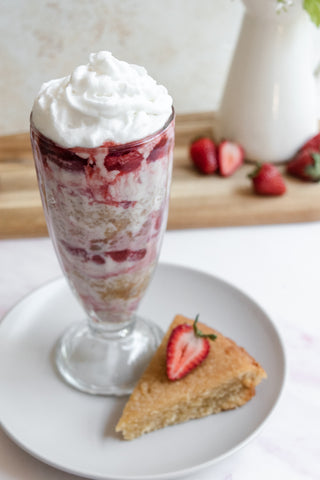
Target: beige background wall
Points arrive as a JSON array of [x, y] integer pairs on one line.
[[185, 44]]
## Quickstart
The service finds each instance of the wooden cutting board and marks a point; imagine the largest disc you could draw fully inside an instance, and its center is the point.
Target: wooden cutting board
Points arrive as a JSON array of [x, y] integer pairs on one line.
[[196, 200]]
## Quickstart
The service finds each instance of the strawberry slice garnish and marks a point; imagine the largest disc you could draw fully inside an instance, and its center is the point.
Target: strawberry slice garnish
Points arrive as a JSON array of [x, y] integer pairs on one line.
[[305, 165], [203, 155], [267, 180], [187, 347], [230, 157]]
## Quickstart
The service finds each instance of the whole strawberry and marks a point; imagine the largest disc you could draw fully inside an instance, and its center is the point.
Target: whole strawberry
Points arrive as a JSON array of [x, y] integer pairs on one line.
[[187, 347], [312, 144], [203, 155], [267, 180], [305, 165]]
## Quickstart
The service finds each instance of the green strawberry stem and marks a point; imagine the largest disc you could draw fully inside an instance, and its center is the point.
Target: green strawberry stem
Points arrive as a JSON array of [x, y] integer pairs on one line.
[[198, 332], [314, 170], [255, 172]]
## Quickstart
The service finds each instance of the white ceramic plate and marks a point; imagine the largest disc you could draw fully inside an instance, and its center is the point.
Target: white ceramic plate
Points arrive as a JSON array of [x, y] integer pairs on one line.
[[75, 432]]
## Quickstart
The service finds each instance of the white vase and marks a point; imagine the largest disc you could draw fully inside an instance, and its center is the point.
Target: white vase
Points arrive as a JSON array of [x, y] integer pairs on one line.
[[269, 101]]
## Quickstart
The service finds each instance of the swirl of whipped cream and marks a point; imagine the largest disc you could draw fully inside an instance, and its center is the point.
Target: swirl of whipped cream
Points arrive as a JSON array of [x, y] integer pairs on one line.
[[107, 100]]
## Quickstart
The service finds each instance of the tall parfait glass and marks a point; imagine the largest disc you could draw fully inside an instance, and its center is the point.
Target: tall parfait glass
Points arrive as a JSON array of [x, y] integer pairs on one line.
[[106, 210]]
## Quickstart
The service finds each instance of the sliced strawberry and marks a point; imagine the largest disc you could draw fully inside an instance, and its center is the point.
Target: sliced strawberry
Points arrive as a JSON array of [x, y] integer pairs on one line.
[[203, 155], [230, 157], [98, 259], [305, 165], [160, 149], [130, 255], [187, 347], [267, 180], [312, 144], [124, 161]]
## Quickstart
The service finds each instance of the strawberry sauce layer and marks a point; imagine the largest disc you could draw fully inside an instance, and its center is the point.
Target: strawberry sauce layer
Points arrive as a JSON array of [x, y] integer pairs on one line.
[[106, 210]]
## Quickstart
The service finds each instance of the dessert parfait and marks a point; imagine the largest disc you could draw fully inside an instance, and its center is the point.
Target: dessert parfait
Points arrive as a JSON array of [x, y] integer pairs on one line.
[[103, 140]]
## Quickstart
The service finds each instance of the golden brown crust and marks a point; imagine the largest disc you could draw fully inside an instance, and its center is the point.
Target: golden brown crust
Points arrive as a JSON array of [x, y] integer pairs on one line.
[[225, 380]]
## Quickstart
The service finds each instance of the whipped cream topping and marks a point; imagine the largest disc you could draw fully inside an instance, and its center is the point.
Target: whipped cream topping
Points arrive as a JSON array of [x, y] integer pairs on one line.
[[107, 100]]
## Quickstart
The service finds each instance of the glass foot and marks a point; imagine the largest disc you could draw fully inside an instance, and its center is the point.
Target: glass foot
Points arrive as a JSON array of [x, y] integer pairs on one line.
[[106, 365]]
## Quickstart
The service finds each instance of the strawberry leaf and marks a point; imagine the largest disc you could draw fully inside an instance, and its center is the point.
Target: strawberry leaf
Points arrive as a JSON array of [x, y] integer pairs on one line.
[[198, 332], [256, 170], [313, 9], [314, 170]]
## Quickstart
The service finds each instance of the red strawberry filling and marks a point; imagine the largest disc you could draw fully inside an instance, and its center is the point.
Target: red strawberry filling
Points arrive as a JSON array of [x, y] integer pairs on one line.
[[124, 161], [117, 255], [62, 157], [159, 150], [130, 255]]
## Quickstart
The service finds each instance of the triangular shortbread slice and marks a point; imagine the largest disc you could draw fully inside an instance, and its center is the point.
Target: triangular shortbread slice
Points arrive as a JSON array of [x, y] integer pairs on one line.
[[226, 379]]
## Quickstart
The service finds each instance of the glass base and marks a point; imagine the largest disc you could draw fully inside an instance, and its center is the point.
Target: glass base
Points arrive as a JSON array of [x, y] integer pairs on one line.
[[104, 364]]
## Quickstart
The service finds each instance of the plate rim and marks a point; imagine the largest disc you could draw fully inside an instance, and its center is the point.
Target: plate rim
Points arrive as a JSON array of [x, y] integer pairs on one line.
[[185, 471]]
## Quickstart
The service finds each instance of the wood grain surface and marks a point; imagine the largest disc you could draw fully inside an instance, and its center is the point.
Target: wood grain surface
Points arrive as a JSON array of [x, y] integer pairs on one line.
[[196, 200]]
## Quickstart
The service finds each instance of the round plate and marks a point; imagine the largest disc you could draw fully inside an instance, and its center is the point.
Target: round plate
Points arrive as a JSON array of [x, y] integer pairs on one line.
[[75, 432]]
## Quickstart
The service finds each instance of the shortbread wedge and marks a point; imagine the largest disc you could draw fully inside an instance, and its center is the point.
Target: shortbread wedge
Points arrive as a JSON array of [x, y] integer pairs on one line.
[[226, 379]]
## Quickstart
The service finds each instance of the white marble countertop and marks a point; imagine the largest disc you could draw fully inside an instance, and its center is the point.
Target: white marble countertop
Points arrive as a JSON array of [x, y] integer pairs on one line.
[[279, 266]]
